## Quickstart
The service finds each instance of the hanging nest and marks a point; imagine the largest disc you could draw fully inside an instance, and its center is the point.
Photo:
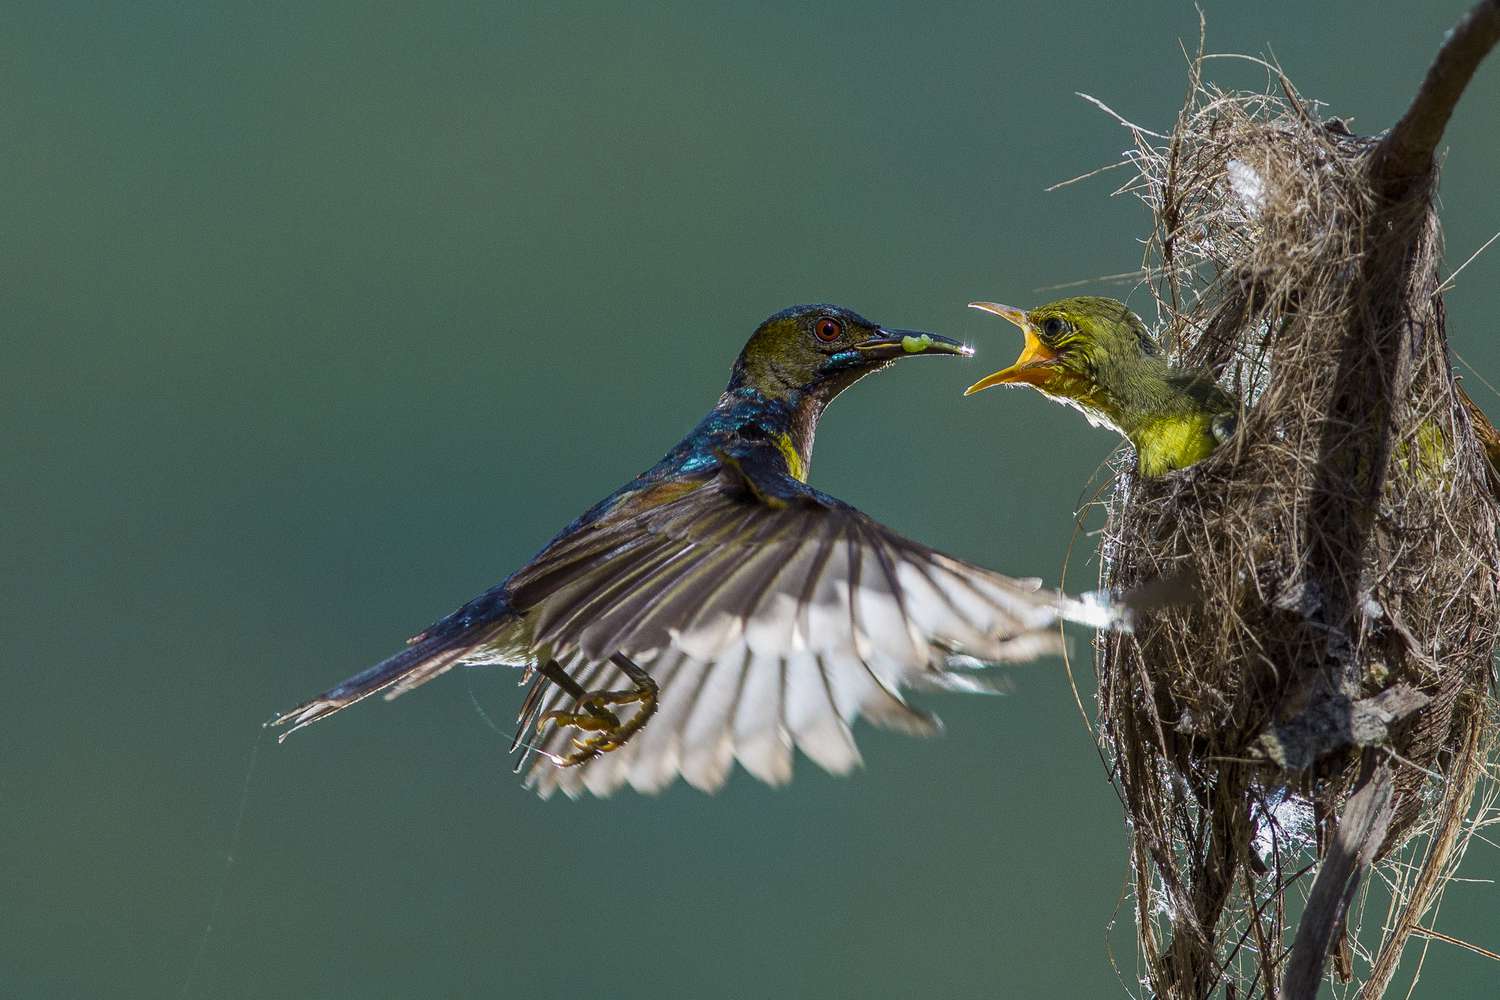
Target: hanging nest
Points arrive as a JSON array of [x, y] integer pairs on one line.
[[1320, 701]]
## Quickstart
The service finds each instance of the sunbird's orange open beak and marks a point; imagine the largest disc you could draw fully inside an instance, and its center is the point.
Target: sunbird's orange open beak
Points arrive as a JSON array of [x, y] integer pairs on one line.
[[1034, 364]]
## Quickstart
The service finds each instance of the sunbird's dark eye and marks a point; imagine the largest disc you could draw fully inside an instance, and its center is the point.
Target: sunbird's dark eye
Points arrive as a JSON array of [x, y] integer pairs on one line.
[[828, 329], [1054, 327]]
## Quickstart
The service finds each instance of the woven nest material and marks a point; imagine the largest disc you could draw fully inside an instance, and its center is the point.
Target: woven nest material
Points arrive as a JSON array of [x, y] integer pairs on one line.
[[1340, 549]]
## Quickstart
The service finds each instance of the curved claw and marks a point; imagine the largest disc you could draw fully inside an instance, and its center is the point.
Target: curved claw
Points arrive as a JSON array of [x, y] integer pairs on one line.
[[593, 718], [608, 732]]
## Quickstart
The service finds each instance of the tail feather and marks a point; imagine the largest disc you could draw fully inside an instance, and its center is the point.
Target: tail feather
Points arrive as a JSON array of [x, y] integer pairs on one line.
[[426, 656]]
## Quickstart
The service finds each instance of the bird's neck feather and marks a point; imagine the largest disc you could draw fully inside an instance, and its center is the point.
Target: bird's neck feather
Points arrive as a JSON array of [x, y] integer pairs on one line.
[[1166, 413], [774, 403], [789, 420]]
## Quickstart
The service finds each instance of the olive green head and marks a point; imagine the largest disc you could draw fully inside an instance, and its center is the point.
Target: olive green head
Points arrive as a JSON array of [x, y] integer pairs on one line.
[[1071, 345], [823, 349]]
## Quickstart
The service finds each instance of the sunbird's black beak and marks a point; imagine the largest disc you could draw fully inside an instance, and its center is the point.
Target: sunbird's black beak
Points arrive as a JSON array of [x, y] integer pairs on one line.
[[888, 345]]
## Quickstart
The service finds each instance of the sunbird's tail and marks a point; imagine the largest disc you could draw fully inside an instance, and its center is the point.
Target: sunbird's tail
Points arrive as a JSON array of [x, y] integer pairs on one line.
[[427, 655], [418, 663]]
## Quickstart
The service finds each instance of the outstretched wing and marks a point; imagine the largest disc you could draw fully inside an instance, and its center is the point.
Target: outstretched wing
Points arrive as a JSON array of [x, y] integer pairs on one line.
[[753, 709], [751, 559], [769, 615]]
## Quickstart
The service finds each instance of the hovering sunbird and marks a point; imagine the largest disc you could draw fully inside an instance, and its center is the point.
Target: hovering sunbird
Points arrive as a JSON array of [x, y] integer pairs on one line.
[[717, 607]]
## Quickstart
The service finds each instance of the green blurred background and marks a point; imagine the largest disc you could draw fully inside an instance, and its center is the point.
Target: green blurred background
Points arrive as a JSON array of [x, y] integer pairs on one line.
[[321, 318]]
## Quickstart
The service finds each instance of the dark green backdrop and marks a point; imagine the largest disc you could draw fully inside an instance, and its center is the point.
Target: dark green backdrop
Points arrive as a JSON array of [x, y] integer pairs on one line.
[[320, 318]]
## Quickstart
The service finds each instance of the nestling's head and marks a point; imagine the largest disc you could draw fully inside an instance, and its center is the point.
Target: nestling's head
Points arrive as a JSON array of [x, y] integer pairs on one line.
[[1074, 349], [824, 349]]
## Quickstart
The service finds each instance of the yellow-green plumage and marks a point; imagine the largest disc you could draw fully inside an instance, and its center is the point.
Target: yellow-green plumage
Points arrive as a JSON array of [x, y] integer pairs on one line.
[[1174, 442]]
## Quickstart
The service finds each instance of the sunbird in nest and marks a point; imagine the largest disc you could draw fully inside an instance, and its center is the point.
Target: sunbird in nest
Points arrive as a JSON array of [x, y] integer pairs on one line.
[[1095, 354], [727, 603]]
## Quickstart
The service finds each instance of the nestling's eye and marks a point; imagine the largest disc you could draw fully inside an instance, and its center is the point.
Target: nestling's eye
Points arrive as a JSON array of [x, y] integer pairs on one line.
[[828, 329], [1053, 327]]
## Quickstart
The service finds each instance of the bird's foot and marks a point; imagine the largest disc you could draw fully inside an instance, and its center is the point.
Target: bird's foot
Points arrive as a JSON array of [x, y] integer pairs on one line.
[[594, 716]]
